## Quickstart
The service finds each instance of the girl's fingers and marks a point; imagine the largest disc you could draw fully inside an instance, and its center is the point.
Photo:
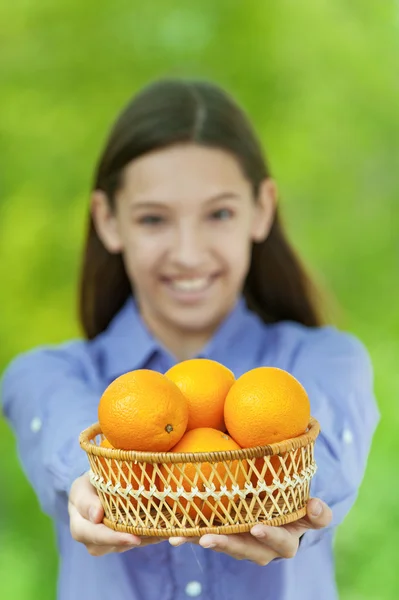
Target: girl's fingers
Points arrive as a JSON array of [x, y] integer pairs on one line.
[[86, 515], [98, 534], [240, 546], [101, 550], [178, 541], [277, 539], [261, 545], [84, 497], [264, 541], [318, 514]]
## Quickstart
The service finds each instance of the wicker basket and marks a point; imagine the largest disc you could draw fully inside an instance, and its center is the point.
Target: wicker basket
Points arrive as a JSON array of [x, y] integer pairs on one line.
[[148, 494]]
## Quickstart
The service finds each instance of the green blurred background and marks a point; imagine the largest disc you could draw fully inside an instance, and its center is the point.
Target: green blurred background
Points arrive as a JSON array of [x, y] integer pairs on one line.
[[318, 79]]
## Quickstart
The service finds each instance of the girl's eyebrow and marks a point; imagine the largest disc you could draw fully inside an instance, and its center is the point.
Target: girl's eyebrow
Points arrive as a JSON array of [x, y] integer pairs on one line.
[[223, 196], [151, 204], [146, 205]]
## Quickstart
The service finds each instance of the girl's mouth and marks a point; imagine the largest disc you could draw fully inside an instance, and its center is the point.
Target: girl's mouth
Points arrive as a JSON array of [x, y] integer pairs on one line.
[[190, 289]]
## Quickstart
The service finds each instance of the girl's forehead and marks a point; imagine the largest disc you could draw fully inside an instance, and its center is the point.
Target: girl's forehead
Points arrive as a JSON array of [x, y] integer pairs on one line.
[[183, 168]]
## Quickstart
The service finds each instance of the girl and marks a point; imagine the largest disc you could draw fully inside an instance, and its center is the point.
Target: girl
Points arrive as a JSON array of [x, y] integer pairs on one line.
[[186, 256]]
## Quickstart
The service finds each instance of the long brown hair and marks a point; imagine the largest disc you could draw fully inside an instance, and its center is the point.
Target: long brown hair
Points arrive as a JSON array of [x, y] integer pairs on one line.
[[177, 111]]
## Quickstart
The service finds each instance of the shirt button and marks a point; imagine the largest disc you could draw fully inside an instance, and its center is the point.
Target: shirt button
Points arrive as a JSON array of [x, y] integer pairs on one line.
[[35, 425], [347, 436], [193, 589]]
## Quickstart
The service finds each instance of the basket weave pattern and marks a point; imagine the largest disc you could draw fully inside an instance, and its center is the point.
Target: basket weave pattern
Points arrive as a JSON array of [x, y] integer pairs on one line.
[[151, 494]]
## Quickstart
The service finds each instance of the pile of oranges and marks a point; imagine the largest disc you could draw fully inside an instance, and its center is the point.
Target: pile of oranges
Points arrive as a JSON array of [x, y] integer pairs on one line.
[[199, 406], [146, 411]]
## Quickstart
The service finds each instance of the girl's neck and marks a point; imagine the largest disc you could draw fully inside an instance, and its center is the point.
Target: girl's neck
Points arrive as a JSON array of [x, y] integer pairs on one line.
[[183, 348], [181, 343]]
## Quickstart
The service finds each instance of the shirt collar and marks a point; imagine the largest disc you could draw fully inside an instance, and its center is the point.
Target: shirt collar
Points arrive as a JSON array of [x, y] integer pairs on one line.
[[242, 328], [227, 330], [127, 344]]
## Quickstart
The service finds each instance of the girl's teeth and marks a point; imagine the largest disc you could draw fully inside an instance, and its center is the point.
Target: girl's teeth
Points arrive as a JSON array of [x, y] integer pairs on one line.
[[190, 285]]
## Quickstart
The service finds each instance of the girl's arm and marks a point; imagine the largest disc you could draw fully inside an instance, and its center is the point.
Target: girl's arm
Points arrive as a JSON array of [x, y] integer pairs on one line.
[[49, 396], [336, 371]]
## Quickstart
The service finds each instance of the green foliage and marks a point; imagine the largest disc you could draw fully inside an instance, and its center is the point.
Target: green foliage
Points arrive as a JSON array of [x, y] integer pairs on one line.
[[319, 79]]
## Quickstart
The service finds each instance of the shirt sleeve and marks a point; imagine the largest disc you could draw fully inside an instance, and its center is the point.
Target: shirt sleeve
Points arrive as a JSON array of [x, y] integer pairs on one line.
[[48, 401], [336, 371]]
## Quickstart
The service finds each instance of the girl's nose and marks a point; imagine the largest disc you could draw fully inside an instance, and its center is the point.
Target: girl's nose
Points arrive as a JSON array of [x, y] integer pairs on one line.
[[187, 248]]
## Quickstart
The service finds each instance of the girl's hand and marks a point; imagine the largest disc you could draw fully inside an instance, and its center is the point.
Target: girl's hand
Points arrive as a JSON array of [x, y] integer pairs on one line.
[[86, 515], [264, 542]]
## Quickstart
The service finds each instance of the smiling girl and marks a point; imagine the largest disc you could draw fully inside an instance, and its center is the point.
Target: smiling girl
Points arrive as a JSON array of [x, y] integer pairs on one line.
[[186, 257]]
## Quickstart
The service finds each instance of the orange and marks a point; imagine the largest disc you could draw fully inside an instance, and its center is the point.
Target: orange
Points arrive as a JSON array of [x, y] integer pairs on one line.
[[205, 384], [143, 410], [204, 439], [264, 406]]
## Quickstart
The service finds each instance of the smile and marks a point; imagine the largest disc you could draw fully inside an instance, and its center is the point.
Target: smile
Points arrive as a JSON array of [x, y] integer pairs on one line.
[[190, 285], [190, 289]]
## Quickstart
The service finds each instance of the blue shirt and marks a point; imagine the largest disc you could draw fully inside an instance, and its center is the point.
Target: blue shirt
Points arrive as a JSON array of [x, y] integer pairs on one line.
[[51, 394]]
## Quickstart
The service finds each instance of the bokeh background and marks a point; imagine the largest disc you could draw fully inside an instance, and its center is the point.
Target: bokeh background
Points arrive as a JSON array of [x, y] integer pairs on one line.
[[319, 79]]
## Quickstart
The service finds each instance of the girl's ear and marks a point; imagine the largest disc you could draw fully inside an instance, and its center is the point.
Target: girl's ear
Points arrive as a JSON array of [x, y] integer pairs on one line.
[[264, 210], [105, 222]]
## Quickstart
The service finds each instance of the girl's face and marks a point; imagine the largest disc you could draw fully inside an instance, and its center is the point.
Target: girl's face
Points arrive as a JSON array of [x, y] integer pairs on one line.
[[184, 221]]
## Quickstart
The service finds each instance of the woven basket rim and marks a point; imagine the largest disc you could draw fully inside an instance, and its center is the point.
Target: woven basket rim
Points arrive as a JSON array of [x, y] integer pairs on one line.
[[86, 437], [204, 529]]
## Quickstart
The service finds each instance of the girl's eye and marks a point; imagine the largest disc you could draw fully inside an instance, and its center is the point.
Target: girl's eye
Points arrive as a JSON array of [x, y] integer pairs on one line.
[[151, 220], [222, 215]]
